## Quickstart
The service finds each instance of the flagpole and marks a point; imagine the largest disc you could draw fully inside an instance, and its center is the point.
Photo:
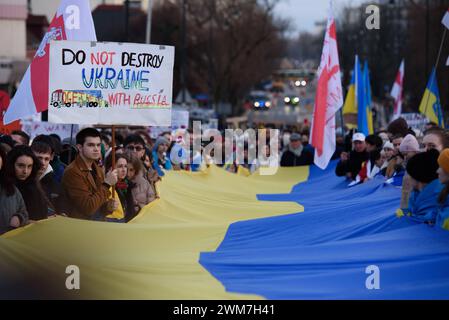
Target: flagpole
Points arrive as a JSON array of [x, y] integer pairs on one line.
[[342, 121], [436, 67], [113, 157], [70, 144]]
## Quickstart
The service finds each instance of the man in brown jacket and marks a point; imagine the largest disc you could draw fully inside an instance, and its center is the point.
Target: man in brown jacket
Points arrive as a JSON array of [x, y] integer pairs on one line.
[[85, 187]]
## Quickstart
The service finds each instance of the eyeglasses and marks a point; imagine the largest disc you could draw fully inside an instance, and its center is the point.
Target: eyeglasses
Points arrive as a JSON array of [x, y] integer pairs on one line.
[[132, 148]]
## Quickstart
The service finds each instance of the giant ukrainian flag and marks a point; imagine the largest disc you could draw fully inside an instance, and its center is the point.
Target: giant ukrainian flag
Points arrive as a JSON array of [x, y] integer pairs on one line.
[[218, 235], [430, 104]]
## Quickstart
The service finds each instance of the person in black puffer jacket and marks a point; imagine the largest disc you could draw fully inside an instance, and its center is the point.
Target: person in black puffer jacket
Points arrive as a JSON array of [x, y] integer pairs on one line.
[[350, 164], [295, 154]]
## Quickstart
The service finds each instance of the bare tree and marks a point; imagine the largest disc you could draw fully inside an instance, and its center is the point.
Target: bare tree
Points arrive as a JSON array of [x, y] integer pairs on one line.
[[231, 44]]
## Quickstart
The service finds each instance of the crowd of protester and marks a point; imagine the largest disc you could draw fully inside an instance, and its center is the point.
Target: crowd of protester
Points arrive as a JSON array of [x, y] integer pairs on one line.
[[416, 162], [46, 176]]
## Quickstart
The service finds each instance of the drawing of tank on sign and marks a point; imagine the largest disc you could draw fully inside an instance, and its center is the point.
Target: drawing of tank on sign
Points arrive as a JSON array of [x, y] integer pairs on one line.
[[78, 98]]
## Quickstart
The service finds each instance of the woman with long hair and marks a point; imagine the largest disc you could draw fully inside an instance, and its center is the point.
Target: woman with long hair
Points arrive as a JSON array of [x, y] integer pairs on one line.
[[123, 187], [22, 169], [13, 213], [143, 193]]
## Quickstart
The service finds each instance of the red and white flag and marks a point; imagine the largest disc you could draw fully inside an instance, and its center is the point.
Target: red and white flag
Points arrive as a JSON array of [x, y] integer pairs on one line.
[[397, 91], [329, 97], [73, 21], [445, 20]]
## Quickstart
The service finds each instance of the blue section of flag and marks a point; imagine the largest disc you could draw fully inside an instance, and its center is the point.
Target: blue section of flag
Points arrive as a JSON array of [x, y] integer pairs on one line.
[[362, 116], [324, 252], [366, 76]]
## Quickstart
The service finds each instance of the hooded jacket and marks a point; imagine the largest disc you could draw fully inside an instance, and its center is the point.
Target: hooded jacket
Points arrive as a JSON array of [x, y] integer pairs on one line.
[[423, 205], [158, 164]]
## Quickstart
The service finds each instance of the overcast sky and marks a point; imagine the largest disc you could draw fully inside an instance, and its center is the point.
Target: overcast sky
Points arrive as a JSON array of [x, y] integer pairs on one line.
[[303, 13]]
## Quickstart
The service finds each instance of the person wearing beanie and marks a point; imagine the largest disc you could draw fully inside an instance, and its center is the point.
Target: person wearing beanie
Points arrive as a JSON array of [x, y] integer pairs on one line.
[[396, 165], [389, 149], [409, 147], [161, 161], [384, 136], [442, 215], [350, 164], [426, 187]]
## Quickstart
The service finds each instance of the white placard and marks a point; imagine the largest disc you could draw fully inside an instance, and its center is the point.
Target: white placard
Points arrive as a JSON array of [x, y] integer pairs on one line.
[[110, 83], [180, 119], [35, 128], [415, 120]]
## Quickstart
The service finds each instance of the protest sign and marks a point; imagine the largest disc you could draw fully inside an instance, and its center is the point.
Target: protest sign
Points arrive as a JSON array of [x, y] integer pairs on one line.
[[415, 120], [110, 83], [179, 120], [35, 128]]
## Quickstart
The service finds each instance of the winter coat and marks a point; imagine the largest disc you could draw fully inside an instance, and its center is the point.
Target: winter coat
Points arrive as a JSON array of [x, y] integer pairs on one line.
[[11, 206], [85, 195]]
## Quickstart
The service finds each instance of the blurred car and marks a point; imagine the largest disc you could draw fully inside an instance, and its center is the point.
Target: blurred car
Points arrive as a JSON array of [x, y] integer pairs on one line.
[[260, 100], [292, 100]]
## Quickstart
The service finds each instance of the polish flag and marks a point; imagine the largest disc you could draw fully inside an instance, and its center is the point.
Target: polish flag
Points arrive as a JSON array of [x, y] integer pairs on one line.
[[445, 20], [328, 99], [397, 90], [73, 21]]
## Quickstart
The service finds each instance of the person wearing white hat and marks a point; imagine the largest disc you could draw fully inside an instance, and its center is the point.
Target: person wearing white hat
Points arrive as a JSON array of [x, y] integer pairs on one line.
[[384, 137], [350, 164], [358, 136], [389, 150]]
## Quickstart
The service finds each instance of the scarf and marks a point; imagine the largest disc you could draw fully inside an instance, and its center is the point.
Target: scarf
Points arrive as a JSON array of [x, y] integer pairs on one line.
[[122, 186], [298, 151]]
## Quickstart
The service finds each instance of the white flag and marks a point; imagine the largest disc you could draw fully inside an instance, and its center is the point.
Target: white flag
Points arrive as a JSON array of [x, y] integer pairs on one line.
[[329, 97], [73, 21], [445, 20], [397, 91]]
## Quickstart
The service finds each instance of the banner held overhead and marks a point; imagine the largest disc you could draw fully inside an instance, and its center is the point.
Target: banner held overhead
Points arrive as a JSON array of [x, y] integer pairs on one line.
[[110, 83]]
